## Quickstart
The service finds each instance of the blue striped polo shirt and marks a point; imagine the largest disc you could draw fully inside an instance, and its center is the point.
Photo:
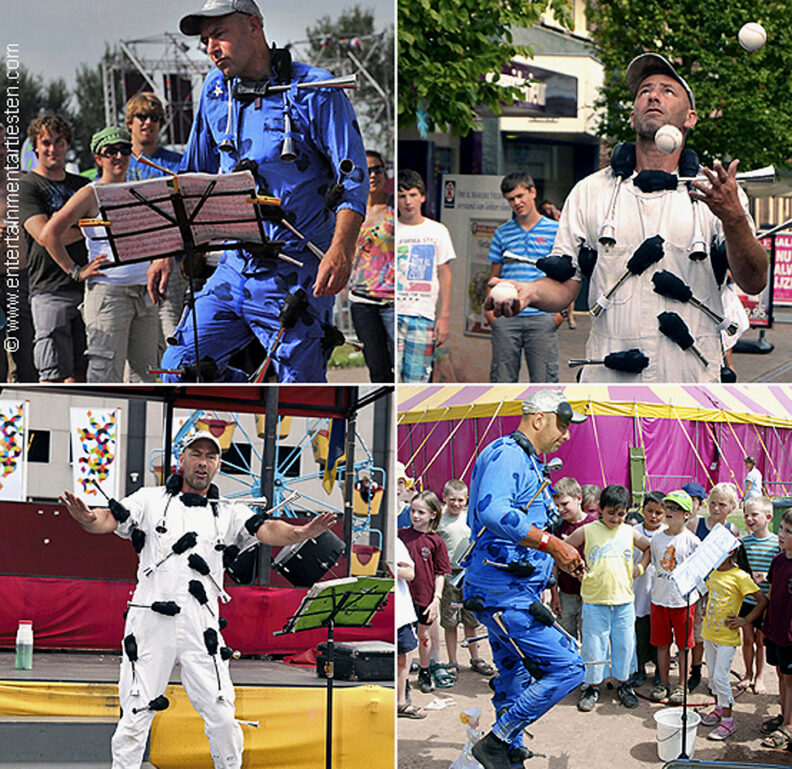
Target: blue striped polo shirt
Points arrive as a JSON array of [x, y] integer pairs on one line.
[[760, 554], [534, 244]]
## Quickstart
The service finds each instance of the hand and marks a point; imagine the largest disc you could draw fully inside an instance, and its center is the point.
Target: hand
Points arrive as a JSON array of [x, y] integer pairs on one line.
[[158, 273], [333, 273], [720, 194], [433, 610], [555, 604], [77, 509], [734, 622], [759, 576], [318, 525], [93, 268], [567, 558], [515, 306], [441, 331]]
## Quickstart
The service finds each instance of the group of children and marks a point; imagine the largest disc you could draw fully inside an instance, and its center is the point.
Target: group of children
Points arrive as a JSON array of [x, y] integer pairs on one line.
[[435, 540], [627, 610]]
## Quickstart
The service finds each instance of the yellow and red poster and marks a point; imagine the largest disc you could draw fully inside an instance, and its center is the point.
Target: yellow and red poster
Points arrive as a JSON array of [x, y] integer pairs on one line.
[[13, 450]]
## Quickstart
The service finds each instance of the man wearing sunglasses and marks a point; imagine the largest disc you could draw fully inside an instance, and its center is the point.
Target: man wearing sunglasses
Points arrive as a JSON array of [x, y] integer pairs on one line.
[[144, 119], [120, 318]]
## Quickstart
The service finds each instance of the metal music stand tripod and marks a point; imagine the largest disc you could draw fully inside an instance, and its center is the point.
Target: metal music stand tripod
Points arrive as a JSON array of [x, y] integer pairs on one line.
[[346, 602]]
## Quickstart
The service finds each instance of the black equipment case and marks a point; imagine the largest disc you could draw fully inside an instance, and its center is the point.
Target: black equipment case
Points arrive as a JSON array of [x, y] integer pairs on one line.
[[359, 661]]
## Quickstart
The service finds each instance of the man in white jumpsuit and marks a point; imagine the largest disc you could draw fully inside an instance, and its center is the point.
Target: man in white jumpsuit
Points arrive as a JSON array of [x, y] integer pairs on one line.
[[695, 225], [164, 516]]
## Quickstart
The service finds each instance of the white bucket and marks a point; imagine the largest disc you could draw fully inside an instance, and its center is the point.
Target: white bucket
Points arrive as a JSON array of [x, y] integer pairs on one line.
[[669, 733]]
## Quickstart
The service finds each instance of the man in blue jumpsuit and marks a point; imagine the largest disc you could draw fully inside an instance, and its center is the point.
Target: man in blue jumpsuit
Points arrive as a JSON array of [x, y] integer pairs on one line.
[[236, 120], [504, 502]]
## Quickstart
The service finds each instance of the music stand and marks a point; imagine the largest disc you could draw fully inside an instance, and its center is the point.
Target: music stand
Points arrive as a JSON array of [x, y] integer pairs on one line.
[[184, 214], [346, 602]]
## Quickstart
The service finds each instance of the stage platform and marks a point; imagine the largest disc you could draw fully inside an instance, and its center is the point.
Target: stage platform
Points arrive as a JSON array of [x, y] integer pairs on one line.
[[63, 713]]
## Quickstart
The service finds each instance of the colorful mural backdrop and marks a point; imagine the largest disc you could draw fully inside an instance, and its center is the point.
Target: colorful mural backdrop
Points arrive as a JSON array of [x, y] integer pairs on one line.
[[13, 450], [94, 437]]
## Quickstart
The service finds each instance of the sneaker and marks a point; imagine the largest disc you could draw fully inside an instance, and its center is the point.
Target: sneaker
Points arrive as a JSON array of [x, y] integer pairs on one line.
[[425, 681], [724, 729], [491, 752], [588, 699], [660, 692], [627, 696], [638, 677], [712, 718], [695, 677], [677, 696]]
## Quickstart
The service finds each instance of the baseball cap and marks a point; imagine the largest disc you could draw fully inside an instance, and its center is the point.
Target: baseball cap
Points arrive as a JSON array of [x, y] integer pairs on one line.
[[112, 135], [653, 64], [401, 472], [695, 490], [681, 498], [551, 402], [199, 435], [191, 23]]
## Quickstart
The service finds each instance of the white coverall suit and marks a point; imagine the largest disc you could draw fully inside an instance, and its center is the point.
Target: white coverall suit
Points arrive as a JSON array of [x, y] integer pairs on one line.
[[164, 640]]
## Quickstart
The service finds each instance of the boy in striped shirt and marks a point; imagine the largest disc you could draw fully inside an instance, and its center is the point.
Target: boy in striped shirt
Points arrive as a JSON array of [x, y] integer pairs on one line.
[[528, 235], [761, 546]]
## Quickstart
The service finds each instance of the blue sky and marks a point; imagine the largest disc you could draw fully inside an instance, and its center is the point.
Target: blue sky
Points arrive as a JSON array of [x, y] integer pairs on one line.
[[56, 37]]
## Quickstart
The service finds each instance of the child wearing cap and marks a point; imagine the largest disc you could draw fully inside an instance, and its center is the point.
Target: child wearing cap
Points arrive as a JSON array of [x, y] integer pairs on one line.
[[722, 502], [404, 493], [671, 614], [697, 494]]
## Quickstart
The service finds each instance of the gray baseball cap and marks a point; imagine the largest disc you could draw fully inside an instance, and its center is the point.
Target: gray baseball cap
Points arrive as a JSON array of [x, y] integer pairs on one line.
[[653, 64], [202, 435], [551, 402], [191, 23]]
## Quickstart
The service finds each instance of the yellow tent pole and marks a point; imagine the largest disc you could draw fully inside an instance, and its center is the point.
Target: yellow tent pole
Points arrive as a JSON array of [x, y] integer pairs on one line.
[[596, 440], [767, 454], [643, 445], [461, 421], [720, 451], [474, 454], [692, 445], [423, 443]]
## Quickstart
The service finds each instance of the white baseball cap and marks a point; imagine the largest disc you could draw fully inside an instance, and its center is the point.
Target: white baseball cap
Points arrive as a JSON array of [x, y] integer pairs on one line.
[[551, 402], [191, 23], [202, 435]]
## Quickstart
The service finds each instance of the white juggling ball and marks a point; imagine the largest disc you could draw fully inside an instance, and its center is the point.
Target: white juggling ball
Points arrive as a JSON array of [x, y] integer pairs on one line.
[[668, 139], [752, 36], [503, 291]]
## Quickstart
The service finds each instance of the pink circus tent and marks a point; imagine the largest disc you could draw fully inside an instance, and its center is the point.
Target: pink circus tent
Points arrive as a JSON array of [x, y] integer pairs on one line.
[[683, 432]]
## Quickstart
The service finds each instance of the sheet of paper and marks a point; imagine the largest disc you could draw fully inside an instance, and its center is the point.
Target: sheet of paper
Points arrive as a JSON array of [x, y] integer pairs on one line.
[[708, 555]]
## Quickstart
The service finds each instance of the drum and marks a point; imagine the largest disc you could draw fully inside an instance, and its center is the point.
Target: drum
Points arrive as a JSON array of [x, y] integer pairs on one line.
[[307, 562]]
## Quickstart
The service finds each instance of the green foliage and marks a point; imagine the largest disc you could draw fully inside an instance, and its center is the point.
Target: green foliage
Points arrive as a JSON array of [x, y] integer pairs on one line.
[[35, 96], [742, 99], [448, 47], [350, 44]]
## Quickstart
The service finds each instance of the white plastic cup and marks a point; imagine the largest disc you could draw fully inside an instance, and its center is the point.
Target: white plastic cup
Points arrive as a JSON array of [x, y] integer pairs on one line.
[[24, 645], [669, 733]]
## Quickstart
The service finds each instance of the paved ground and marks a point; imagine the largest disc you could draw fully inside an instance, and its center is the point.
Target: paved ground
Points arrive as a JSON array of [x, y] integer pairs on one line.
[[609, 736]]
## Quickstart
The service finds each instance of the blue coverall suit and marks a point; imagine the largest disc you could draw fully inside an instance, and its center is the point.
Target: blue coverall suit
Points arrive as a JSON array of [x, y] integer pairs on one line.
[[504, 479], [244, 296]]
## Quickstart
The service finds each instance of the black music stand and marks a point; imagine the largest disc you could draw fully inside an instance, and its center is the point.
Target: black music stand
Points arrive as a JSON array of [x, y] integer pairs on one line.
[[183, 215], [346, 602]]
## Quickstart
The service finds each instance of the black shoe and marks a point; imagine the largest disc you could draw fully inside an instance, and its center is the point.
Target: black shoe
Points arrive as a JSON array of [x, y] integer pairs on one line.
[[491, 752], [425, 681], [695, 677], [588, 699], [519, 755], [627, 696]]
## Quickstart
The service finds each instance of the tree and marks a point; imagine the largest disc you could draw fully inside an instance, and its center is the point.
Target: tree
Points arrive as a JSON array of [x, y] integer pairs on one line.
[[447, 48], [35, 96], [351, 44], [89, 93], [742, 98]]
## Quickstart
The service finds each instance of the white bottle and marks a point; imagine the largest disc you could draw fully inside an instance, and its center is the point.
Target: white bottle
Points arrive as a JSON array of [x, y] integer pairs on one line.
[[24, 645]]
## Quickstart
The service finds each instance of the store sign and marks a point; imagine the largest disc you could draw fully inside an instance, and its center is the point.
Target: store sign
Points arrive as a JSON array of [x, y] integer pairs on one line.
[[545, 93]]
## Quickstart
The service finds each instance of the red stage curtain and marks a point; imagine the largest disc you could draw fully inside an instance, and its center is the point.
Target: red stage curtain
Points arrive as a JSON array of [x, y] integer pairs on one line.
[[87, 614]]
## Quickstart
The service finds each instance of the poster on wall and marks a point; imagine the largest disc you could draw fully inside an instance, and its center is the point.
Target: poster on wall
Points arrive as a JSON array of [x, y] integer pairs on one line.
[[480, 239], [94, 440], [760, 306], [782, 270], [13, 450]]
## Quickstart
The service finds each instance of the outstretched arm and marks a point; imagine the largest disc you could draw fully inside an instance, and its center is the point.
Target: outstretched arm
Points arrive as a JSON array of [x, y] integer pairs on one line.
[[566, 557], [278, 532], [95, 520], [544, 294]]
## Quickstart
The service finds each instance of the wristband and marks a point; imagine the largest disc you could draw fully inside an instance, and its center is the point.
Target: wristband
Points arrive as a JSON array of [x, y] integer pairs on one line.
[[641, 569], [543, 542], [75, 272]]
